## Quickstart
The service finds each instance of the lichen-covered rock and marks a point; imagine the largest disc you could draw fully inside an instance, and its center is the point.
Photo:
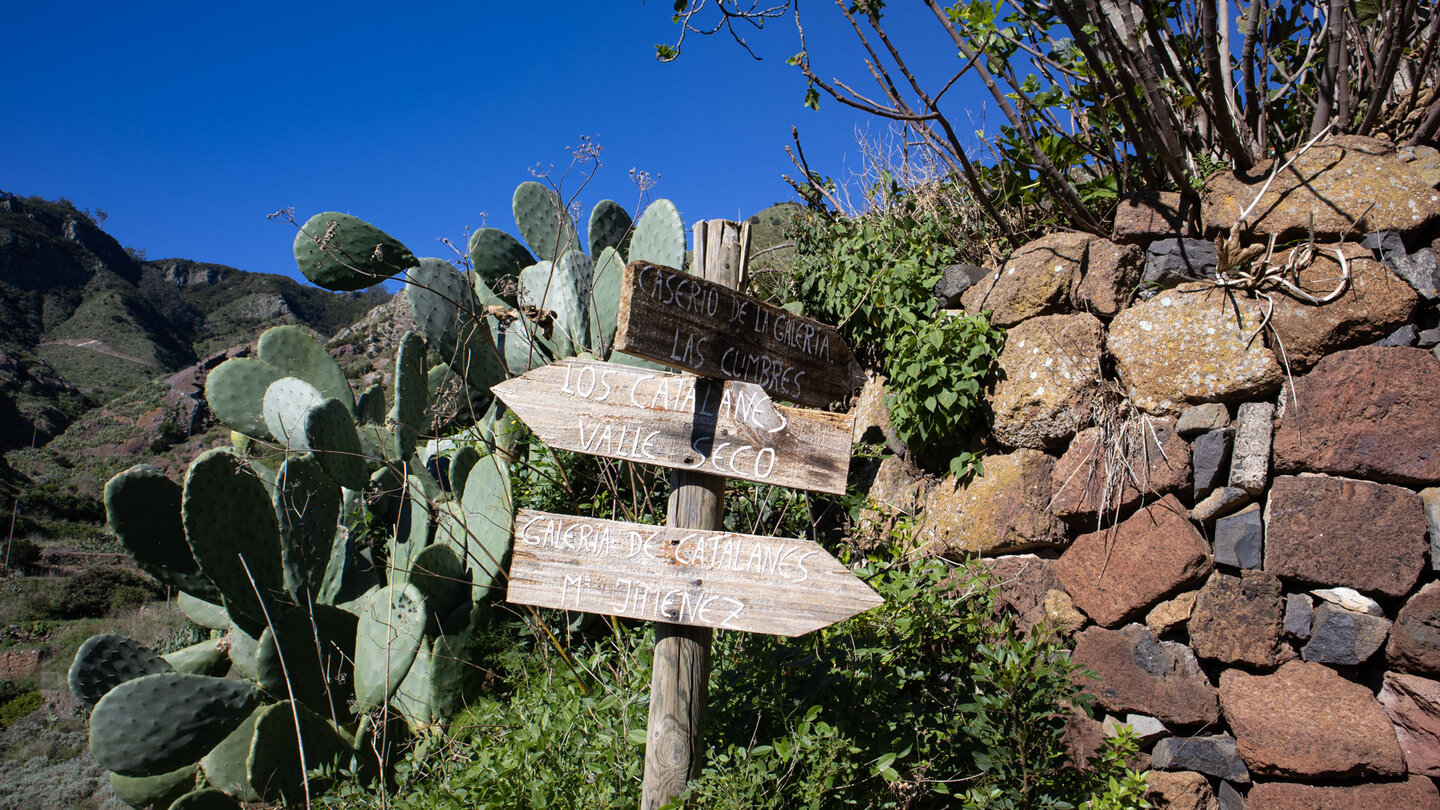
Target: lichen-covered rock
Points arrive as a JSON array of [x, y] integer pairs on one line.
[[1346, 185], [1366, 412], [1050, 372], [1239, 620], [1038, 279], [1105, 476], [1375, 303], [1250, 460], [1007, 510], [1321, 530], [1190, 345], [1306, 721], [1111, 273], [1118, 574], [1139, 673], [1171, 613]]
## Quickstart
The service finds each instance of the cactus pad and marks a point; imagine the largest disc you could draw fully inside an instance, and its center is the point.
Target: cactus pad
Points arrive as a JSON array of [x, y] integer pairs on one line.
[[659, 236], [307, 505], [330, 432], [496, 254], [489, 517], [204, 658], [610, 227], [314, 649], [105, 661], [202, 611], [560, 290], [296, 354], [142, 508], [544, 221], [370, 407], [284, 406], [158, 723], [343, 253], [409, 416], [155, 792], [277, 759], [385, 642], [207, 799], [440, 575], [460, 464], [604, 311], [235, 391], [446, 313], [231, 528], [225, 764]]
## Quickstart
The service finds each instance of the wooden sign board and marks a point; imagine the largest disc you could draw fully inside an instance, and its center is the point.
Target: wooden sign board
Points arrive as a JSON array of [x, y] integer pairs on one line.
[[678, 421], [694, 325], [727, 581]]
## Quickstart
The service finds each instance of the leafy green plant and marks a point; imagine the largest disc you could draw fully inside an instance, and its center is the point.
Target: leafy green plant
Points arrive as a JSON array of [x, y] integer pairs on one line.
[[19, 707], [874, 277]]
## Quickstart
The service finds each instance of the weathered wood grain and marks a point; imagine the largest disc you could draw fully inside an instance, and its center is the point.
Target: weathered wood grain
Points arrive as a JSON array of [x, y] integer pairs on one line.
[[683, 422], [722, 580], [694, 325]]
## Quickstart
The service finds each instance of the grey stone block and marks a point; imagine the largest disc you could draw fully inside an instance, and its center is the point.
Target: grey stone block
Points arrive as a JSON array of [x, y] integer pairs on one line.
[[1299, 615], [1210, 459], [1215, 755], [1344, 637], [1250, 460], [1169, 262], [1240, 538]]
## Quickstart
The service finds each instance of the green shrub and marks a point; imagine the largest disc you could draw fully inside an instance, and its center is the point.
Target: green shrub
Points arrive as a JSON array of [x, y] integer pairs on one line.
[[19, 707], [929, 701], [874, 277], [98, 591], [21, 554]]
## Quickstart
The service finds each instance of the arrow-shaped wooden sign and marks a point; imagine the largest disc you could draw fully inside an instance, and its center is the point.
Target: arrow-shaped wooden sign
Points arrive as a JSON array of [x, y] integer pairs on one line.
[[687, 323], [723, 580], [676, 420]]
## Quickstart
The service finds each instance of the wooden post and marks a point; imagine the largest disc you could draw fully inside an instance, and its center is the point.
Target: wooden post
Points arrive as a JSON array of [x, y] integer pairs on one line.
[[675, 736]]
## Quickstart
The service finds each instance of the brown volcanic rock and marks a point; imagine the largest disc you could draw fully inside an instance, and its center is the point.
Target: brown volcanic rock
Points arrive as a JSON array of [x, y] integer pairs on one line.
[[1238, 620], [1415, 637], [1366, 412], [1143, 675], [1051, 370], [1117, 574], [1306, 721], [1023, 580], [1345, 185], [1145, 216], [1414, 706], [1007, 510], [1417, 794], [1111, 273], [1157, 461], [1036, 280], [1191, 345], [1375, 303], [1338, 531]]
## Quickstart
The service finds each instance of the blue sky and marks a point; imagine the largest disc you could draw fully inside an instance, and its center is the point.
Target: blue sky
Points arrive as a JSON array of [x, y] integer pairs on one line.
[[189, 123]]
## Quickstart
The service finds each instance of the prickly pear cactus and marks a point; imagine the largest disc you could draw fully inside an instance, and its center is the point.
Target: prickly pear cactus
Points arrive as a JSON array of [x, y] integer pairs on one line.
[[344, 253]]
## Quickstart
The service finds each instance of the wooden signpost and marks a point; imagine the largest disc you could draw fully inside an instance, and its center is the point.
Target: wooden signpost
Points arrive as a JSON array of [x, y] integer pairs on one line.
[[690, 576], [679, 421], [779, 585], [705, 328]]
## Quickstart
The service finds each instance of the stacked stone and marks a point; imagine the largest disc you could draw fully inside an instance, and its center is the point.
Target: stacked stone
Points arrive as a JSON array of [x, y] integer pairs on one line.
[[1229, 501]]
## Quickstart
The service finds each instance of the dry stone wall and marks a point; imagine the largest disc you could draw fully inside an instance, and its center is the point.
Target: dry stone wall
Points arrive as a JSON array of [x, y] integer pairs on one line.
[[1227, 491]]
